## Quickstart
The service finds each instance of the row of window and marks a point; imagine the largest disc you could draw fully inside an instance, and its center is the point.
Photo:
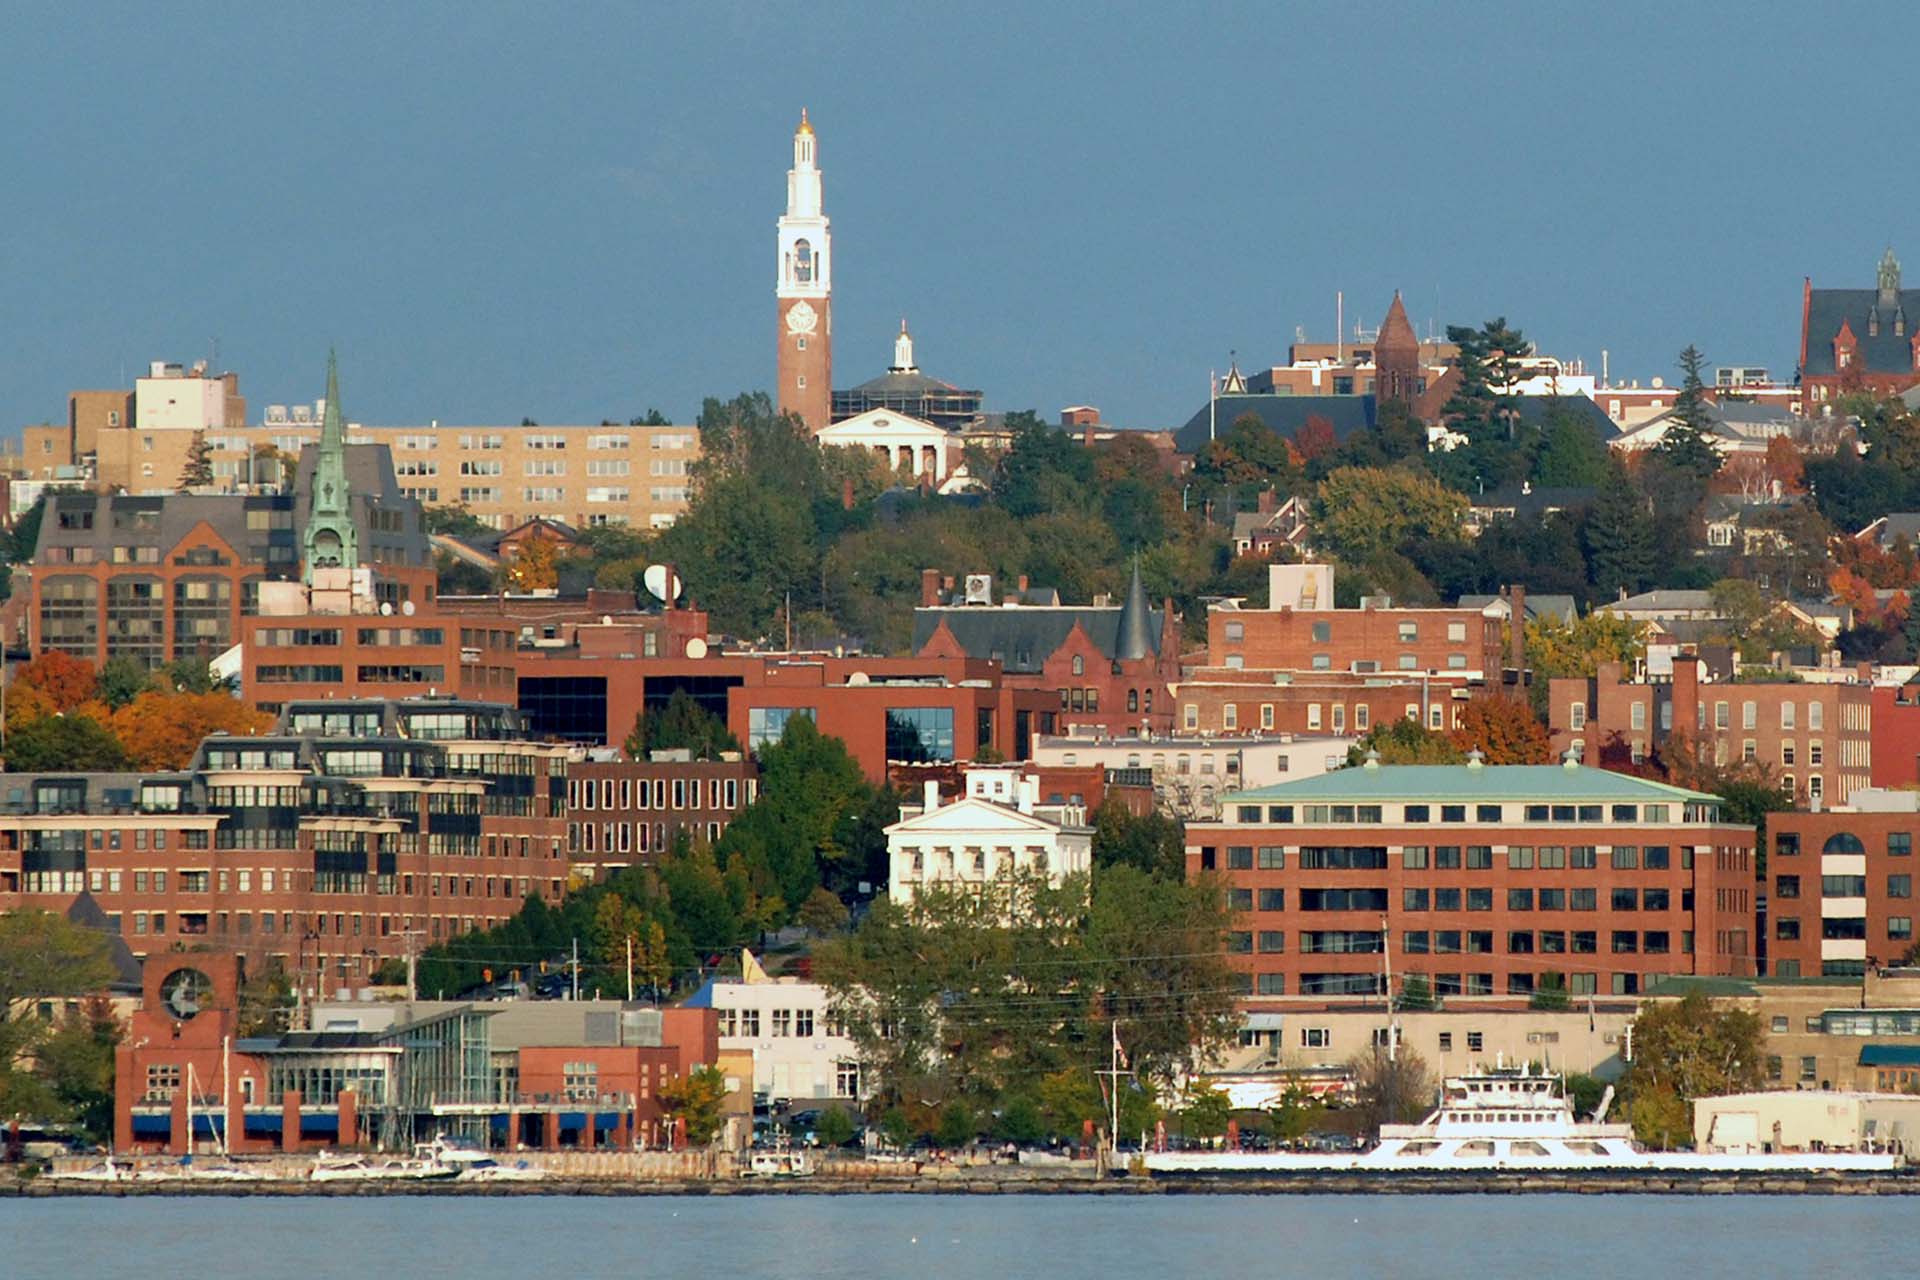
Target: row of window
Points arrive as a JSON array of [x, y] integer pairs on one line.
[[1472, 857], [1414, 814], [1787, 928], [797, 1023], [623, 793], [1442, 984]]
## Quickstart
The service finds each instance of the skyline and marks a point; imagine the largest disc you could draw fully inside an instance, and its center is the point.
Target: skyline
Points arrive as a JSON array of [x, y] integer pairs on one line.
[[601, 242]]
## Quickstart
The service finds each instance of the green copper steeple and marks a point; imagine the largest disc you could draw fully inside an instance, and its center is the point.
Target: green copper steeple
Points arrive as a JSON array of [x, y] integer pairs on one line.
[[332, 541]]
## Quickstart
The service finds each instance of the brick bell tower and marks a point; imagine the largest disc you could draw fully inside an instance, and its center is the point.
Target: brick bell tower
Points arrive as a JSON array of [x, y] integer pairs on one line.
[[805, 292]]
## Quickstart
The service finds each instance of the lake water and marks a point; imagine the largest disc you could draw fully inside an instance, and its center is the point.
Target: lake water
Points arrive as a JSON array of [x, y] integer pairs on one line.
[[936, 1237]]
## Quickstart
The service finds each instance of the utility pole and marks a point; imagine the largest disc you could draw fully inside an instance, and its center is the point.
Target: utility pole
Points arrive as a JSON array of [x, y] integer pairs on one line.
[[412, 959], [629, 968], [1386, 971], [576, 968]]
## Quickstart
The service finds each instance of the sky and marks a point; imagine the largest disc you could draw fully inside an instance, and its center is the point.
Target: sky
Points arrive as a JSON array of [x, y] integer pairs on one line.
[[566, 211]]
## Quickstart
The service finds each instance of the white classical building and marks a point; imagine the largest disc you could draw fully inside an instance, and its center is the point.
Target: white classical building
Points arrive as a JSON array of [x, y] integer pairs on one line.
[[997, 828], [787, 1025], [906, 443]]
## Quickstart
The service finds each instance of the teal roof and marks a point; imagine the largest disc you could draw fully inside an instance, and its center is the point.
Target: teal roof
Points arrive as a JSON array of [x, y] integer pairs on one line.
[[1392, 783]]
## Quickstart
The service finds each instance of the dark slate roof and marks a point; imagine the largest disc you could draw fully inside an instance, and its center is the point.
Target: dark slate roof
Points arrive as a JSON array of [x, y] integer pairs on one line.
[[1284, 414], [903, 382], [1534, 410], [1022, 638], [86, 913], [1901, 524], [1885, 352], [1534, 500]]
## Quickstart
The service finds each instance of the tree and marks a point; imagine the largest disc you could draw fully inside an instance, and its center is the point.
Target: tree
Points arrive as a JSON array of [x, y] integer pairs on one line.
[[42, 956], [59, 743], [1390, 1090], [1416, 994], [1206, 1114], [1686, 1049], [74, 1062], [957, 1127], [835, 1129], [698, 1098], [683, 724], [1360, 513], [534, 567], [823, 912], [121, 679], [1687, 444], [266, 999], [651, 418], [163, 730], [66, 680], [1405, 741], [1151, 842], [455, 521], [197, 473], [1620, 549], [1504, 731], [1020, 1121], [1572, 455], [1298, 1113]]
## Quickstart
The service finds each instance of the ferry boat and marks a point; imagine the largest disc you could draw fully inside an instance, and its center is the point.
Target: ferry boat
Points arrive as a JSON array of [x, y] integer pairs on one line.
[[1512, 1120]]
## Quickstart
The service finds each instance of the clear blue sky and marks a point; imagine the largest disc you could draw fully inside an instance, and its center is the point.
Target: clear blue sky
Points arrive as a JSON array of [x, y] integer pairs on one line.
[[567, 211]]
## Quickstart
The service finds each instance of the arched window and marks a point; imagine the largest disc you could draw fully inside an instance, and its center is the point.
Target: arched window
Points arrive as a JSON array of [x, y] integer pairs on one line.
[[1133, 700], [1149, 700], [1079, 665], [1843, 842], [802, 262]]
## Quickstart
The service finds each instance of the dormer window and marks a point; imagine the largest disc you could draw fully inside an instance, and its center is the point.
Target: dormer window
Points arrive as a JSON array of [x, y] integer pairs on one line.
[[1873, 323]]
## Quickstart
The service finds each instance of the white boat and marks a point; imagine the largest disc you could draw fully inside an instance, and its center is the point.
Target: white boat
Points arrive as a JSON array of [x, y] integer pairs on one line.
[[1510, 1120], [378, 1168], [780, 1162], [472, 1164]]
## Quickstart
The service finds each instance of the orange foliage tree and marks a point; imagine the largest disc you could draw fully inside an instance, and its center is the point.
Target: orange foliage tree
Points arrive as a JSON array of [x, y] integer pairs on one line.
[[161, 730], [1505, 730], [66, 681], [534, 567]]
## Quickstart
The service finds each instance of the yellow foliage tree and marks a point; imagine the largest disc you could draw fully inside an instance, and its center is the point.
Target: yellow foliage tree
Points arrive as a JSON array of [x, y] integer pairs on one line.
[[162, 730], [534, 567]]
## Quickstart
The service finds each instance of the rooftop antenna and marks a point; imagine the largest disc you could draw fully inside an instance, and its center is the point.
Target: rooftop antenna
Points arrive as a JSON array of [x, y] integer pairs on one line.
[[1339, 326]]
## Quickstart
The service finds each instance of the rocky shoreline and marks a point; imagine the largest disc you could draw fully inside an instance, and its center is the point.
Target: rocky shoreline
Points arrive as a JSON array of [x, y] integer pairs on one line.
[[1074, 1182]]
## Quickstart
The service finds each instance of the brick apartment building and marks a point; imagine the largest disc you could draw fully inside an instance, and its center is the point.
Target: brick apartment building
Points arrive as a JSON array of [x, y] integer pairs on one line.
[[177, 576], [626, 812], [1840, 886], [1485, 879], [1816, 737], [355, 830], [1301, 630]]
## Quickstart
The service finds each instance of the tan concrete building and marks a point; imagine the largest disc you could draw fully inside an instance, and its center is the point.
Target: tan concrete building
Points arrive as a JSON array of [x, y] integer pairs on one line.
[[1747, 1123], [1827, 1034]]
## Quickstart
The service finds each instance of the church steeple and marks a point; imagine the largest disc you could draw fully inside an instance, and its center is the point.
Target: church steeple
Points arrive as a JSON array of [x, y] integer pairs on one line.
[[803, 290], [903, 351], [332, 540], [1134, 637], [1396, 357]]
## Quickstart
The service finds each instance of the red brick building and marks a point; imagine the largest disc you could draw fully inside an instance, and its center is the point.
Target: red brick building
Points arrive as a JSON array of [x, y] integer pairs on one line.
[[1896, 735], [624, 812], [1859, 339], [1817, 737], [1107, 666], [1485, 880], [1840, 887]]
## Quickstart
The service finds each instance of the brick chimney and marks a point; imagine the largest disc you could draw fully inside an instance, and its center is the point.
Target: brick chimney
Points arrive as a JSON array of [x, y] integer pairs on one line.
[[1686, 697], [929, 588], [1268, 501], [1517, 604]]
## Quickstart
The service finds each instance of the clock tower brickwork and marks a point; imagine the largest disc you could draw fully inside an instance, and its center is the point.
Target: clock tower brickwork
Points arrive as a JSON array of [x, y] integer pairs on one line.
[[804, 292]]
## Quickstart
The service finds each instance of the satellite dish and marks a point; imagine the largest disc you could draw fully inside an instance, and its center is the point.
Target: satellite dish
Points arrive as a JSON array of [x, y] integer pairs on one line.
[[696, 648], [386, 608], [406, 607], [662, 582], [858, 679]]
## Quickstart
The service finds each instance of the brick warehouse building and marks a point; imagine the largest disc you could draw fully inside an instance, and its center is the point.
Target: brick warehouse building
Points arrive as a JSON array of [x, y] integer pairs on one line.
[[627, 812], [1484, 878], [1840, 887], [354, 832]]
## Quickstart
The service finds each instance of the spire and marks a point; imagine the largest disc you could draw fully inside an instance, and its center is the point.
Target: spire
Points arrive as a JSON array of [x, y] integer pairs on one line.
[[1233, 384], [1396, 328], [1133, 640], [332, 432], [1889, 280], [903, 351], [332, 539]]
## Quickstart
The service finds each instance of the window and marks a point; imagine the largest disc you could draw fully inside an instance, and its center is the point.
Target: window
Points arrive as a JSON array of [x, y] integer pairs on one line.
[[1316, 1038], [1272, 941], [581, 1081], [1273, 899], [1900, 928], [1900, 886]]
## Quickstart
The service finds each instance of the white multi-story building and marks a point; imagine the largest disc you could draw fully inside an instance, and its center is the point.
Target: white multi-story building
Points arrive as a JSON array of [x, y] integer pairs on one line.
[[1190, 773], [997, 829], [787, 1024]]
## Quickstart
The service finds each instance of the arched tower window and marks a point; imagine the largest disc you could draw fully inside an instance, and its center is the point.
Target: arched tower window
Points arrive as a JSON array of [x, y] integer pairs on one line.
[[1843, 842], [802, 262]]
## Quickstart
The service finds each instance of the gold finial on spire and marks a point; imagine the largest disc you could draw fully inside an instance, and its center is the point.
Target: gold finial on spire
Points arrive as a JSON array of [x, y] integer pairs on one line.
[[804, 126]]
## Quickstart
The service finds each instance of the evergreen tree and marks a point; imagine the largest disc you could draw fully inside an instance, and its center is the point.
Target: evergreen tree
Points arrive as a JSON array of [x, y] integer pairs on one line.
[[1687, 444], [1620, 549], [198, 471]]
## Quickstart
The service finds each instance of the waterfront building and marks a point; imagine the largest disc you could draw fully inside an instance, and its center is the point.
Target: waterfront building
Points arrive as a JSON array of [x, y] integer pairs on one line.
[[356, 832], [1840, 881], [1825, 1033], [799, 1051], [1484, 880]]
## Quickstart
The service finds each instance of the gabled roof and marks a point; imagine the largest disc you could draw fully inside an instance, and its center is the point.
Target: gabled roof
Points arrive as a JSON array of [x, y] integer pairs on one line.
[[1883, 352], [1285, 415], [1544, 605], [1393, 783], [1022, 638], [971, 813]]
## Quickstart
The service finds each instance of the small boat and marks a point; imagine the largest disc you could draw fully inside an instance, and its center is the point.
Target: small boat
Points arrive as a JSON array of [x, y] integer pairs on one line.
[[189, 1170], [378, 1168], [1512, 1120], [780, 1162], [470, 1163]]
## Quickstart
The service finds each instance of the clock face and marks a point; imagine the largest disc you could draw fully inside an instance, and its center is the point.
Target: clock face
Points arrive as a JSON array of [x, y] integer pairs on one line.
[[185, 992], [801, 318]]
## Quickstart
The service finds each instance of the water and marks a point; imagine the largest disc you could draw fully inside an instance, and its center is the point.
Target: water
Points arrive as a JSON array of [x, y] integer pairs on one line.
[[942, 1237]]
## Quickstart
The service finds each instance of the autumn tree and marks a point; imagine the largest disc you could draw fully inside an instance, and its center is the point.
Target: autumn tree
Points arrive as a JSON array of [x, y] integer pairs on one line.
[[163, 730], [698, 1099], [67, 681], [1504, 730], [1404, 740], [534, 567], [1362, 512], [1686, 1049], [1392, 1088]]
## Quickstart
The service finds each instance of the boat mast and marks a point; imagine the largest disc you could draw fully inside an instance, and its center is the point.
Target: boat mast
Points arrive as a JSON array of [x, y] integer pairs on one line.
[[1386, 972]]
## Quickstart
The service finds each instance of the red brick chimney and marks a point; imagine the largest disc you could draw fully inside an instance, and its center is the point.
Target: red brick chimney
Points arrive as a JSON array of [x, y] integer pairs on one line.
[[1686, 697], [929, 588], [1268, 501]]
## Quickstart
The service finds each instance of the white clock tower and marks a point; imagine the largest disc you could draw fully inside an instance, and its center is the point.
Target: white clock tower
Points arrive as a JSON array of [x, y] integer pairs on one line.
[[805, 292]]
